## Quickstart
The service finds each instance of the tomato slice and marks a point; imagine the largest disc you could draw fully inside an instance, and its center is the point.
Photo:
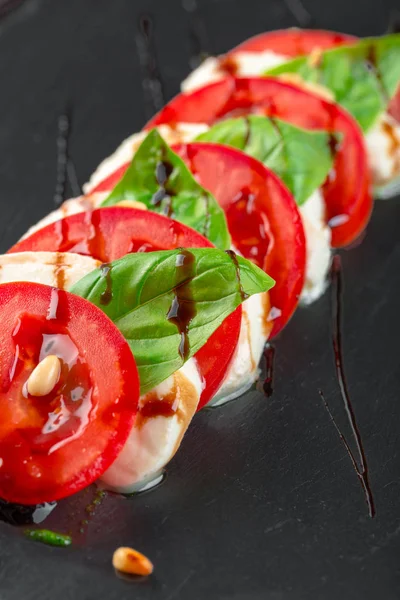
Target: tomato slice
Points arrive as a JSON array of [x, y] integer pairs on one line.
[[256, 204], [52, 446], [299, 42], [108, 234], [347, 190], [294, 42]]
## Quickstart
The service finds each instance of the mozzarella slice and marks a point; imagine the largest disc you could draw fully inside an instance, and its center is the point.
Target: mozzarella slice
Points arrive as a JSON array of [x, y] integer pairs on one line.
[[318, 247], [243, 64], [255, 329], [60, 270], [155, 438]]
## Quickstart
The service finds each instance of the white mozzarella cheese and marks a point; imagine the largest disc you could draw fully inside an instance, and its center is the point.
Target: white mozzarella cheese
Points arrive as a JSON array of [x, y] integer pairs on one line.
[[383, 145], [318, 243], [154, 440], [56, 269], [181, 133], [68, 208], [254, 332], [243, 64]]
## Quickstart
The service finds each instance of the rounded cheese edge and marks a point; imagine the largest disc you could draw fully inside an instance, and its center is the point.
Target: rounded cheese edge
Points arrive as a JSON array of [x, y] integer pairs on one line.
[[57, 269], [153, 441]]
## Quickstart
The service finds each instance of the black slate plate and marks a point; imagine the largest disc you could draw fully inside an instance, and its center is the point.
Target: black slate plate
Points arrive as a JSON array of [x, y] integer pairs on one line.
[[262, 502]]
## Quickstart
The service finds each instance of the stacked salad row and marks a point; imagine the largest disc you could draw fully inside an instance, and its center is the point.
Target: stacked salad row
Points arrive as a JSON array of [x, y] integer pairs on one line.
[[133, 306]]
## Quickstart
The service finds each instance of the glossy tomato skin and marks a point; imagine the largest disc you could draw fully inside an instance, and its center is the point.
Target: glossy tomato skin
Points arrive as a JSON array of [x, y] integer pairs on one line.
[[256, 204], [109, 233], [294, 42], [347, 191], [52, 446]]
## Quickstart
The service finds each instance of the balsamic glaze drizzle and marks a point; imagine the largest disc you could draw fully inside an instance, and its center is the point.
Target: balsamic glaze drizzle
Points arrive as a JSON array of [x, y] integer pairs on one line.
[[247, 135], [360, 467], [164, 170], [372, 65], [152, 85], [198, 37], [269, 355], [183, 307], [234, 259], [106, 296], [65, 167]]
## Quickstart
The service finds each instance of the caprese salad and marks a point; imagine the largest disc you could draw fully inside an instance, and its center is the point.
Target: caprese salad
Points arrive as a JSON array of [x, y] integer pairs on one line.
[[133, 306]]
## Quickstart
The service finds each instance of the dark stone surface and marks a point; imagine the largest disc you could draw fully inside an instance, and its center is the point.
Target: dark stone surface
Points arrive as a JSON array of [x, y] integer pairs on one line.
[[262, 501]]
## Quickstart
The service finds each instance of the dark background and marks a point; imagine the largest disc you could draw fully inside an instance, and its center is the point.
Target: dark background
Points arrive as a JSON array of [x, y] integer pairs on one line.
[[262, 501]]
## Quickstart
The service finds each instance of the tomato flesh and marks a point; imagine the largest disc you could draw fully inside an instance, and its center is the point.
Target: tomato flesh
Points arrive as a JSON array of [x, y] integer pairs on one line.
[[110, 233], [52, 446], [347, 190]]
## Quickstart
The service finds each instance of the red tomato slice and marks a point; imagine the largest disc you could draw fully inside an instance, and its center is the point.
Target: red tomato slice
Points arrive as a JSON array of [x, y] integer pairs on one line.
[[109, 233], [298, 42], [347, 191], [294, 42], [54, 445], [256, 204]]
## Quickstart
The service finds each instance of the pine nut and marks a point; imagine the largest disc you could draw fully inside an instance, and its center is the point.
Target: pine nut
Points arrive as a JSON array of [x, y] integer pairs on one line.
[[130, 561], [44, 376], [132, 204]]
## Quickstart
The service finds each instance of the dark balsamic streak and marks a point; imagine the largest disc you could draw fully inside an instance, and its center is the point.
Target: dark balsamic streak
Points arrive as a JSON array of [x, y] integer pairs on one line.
[[9, 6], [153, 88], [269, 355], [65, 167], [163, 172], [372, 65], [183, 307], [362, 469], [234, 259], [106, 296], [198, 37]]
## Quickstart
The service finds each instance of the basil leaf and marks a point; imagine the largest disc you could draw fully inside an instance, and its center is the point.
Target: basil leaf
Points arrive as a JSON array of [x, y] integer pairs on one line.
[[363, 77], [160, 179], [302, 159], [207, 283]]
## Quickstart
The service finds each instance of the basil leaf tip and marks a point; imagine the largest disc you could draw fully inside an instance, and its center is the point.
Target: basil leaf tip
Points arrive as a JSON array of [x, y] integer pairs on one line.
[[159, 178]]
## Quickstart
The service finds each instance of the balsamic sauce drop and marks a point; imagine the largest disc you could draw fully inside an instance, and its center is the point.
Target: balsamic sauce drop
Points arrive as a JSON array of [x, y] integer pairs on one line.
[[269, 355], [360, 467], [106, 296], [151, 79], [164, 170], [65, 167], [183, 307]]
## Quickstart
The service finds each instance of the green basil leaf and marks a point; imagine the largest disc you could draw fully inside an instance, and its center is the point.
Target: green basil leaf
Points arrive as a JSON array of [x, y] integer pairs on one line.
[[363, 77], [160, 179], [302, 159], [140, 290]]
